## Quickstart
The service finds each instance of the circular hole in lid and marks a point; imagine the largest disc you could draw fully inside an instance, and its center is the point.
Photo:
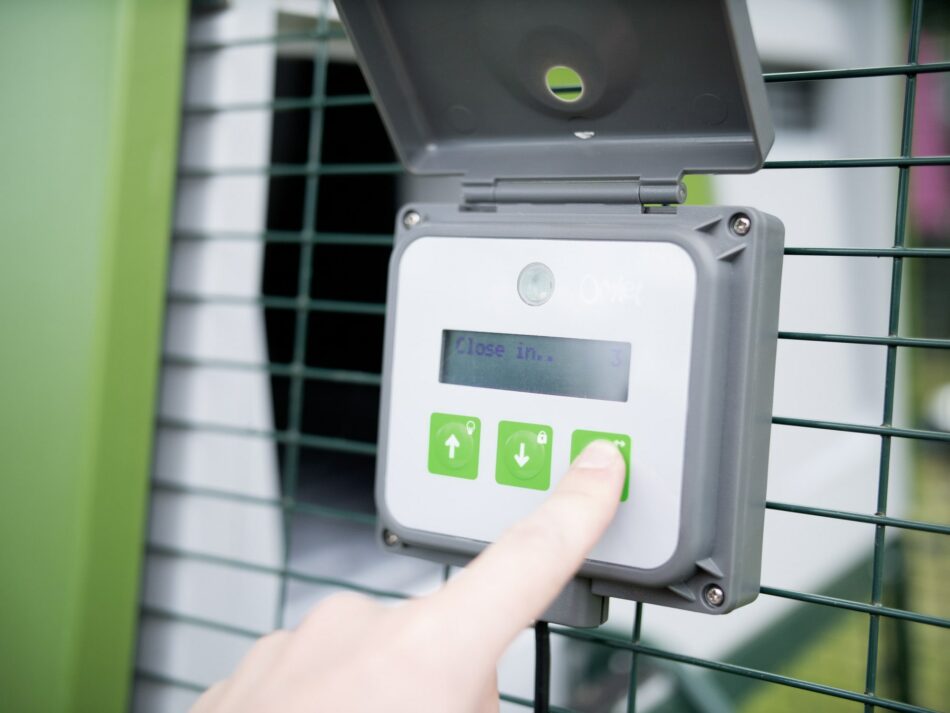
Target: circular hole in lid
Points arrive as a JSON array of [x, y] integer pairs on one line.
[[564, 83]]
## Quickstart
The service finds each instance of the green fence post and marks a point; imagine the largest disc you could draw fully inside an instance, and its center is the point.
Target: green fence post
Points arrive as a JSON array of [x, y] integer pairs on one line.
[[88, 133]]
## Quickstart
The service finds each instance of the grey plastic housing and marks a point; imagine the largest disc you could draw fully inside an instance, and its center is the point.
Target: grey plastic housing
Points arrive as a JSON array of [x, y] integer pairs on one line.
[[728, 426], [669, 87]]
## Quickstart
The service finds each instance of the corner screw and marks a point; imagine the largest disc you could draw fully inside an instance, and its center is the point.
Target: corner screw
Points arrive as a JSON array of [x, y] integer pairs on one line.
[[390, 538], [714, 595], [741, 224], [411, 219]]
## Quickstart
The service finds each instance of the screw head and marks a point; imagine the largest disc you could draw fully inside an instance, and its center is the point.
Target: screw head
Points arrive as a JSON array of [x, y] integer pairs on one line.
[[411, 219], [714, 595], [390, 538], [741, 224]]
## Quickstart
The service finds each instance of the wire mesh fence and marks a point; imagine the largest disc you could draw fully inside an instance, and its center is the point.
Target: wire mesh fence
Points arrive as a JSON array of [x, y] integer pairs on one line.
[[875, 635]]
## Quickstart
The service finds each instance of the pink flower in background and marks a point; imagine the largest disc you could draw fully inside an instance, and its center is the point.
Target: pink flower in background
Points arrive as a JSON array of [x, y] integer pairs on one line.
[[930, 197]]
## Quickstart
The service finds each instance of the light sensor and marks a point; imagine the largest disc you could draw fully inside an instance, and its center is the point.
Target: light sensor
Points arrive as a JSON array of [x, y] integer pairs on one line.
[[536, 284]]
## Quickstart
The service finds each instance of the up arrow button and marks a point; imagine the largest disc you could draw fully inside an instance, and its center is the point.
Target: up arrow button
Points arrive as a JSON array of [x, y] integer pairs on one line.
[[453, 445], [452, 442]]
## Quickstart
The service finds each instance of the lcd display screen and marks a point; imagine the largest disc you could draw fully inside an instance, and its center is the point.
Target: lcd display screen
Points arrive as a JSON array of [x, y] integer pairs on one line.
[[583, 368]]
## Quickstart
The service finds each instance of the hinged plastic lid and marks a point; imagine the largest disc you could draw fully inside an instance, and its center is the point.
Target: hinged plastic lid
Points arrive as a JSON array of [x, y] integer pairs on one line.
[[489, 88]]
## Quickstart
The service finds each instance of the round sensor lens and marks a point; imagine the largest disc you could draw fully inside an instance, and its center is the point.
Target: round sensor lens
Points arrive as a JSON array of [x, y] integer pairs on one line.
[[536, 284]]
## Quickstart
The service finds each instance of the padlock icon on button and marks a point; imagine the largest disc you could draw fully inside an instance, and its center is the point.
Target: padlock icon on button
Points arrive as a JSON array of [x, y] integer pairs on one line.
[[542, 438]]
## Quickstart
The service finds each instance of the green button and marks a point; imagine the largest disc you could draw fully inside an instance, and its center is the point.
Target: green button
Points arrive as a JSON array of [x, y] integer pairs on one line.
[[580, 440], [453, 445], [524, 455]]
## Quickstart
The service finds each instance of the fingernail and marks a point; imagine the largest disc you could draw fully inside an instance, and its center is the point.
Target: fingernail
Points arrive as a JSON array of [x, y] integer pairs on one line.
[[599, 454]]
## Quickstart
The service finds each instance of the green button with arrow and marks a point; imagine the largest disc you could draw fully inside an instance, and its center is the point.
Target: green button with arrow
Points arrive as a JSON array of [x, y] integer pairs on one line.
[[524, 455], [453, 445]]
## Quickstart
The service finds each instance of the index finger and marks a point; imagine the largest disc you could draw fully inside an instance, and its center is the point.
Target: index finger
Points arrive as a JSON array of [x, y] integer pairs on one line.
[[514, 580]]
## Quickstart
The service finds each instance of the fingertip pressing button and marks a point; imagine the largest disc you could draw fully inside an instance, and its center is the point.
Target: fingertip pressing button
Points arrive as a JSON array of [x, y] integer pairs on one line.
[[581, 439]]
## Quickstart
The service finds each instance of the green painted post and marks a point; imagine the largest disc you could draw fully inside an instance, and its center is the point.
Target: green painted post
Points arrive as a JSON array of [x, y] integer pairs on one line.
[[88, 132]]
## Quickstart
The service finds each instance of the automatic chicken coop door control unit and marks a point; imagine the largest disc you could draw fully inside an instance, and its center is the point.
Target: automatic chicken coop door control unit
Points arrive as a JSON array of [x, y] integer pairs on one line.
[[568, 296]]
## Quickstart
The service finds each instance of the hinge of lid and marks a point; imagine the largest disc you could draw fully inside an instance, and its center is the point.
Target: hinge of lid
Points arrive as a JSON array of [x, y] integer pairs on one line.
[[566, 191]]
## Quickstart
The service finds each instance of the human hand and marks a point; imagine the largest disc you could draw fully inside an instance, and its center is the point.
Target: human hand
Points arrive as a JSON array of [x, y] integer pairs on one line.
[[436, 653]]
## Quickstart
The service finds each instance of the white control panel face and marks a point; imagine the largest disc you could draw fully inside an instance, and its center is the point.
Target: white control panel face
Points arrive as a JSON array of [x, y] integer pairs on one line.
[[490, 397]]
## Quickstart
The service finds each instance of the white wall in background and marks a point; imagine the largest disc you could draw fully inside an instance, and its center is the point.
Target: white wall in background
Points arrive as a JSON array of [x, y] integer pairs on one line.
[[238, 464]]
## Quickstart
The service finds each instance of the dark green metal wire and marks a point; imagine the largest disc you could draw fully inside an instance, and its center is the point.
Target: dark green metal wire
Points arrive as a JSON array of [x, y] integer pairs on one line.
[[370, 169], [634, 659], [278, 170], [890, 374], [289, 505], [291, 461], [860, 517], [292, 237], [744, 671], [875, 341], [385, 240], [339, 376], [285, 573], [282, 38], [301, 303], [203, 622], [367, 99], [876, 610], [151, 676], [883, 162], [885, 430], [296, 104], [327, 443], [871, 252], [857, 72]]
